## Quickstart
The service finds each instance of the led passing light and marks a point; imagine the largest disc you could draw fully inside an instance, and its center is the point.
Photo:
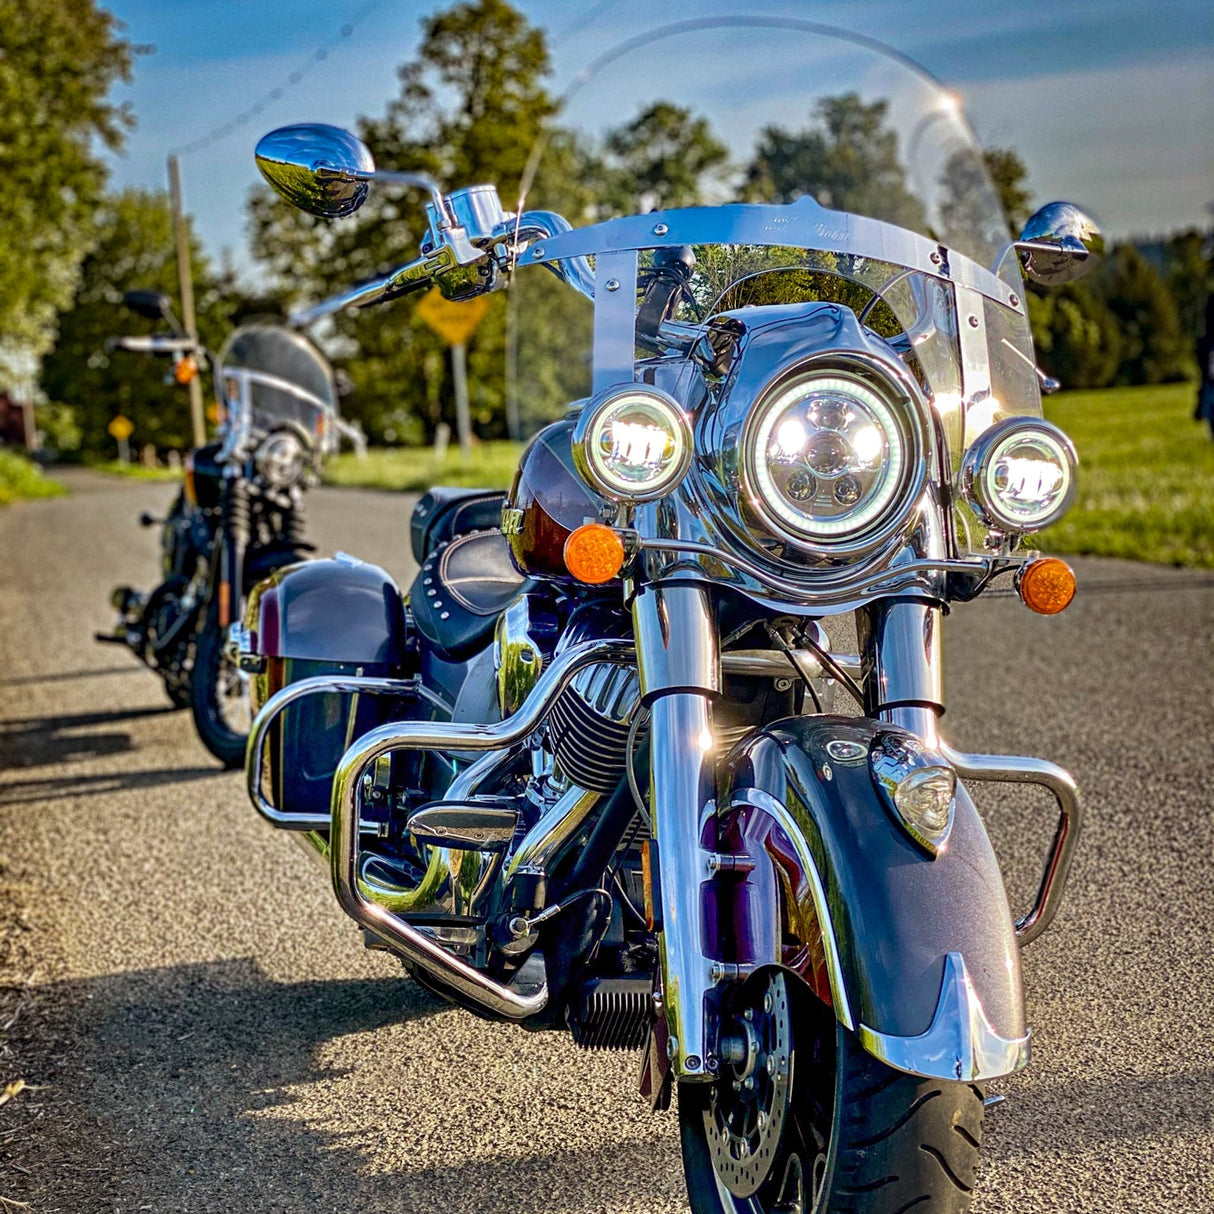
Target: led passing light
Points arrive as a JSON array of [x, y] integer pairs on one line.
[[632, 443], [1019, 475]]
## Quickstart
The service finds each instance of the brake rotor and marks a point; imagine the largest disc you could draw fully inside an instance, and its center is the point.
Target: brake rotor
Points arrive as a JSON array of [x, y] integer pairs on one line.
[[748, 1106]]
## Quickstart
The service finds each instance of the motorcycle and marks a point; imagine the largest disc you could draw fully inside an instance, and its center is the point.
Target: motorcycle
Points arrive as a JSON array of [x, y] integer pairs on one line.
[[597, 770], [238, 516]]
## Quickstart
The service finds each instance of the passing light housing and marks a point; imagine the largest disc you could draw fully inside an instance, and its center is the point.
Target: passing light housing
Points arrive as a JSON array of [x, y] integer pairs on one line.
[[1020, 475], [632, 443], [918, 786], [832, 458]]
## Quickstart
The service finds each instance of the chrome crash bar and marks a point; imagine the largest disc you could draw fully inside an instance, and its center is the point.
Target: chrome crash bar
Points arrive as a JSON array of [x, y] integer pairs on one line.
[[414, 945], [1012, 769]]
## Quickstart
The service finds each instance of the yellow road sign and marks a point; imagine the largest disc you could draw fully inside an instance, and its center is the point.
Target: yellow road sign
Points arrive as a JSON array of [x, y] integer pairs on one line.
[[121, 427], [453, 322]]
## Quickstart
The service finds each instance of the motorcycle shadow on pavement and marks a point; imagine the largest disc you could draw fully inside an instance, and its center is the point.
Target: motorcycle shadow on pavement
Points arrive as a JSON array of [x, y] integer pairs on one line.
[[205, 1087], [69, 738]]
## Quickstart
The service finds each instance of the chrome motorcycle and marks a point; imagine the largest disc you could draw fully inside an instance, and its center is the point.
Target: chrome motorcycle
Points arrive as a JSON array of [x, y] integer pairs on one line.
[[238, 517], [590, 773]]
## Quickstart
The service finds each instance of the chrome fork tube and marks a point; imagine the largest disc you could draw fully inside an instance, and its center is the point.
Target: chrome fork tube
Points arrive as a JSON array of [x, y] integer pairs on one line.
[[901, 663], [680, 673]]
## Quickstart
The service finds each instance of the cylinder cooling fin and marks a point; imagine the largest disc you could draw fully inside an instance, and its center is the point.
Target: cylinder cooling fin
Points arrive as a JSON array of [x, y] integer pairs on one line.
[[590, 722]]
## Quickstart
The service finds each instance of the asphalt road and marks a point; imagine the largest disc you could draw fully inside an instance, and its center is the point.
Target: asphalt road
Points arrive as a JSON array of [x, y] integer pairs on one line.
[[201, 1030]]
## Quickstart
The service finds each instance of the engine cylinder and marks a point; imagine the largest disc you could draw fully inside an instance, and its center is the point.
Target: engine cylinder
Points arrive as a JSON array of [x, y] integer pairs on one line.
[[590, 722]]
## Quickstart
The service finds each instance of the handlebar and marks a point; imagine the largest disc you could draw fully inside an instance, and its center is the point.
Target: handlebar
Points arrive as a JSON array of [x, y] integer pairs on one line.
[[154, 344], [456, 251]]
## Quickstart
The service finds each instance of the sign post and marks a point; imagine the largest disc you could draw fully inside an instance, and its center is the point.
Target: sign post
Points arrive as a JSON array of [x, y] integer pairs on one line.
[[455, 323]]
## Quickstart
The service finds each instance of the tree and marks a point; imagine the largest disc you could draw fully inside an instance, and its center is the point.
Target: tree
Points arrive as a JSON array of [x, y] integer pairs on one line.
[[1076, 337], [134, 248], [471, 107], [1189, 276], [661, 158], [983, 200], [58, 60], [848, 161], [1132, 290]]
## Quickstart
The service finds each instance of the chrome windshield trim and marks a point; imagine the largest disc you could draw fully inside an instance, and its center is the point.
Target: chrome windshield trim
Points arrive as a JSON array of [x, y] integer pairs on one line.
[[802, 224], [759, 799], [960, 1043]]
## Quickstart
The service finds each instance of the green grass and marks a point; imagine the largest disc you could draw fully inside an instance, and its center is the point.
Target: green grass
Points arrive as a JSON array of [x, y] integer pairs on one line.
[[489, 466], [1146, 476], [135, 471], [21, 477]]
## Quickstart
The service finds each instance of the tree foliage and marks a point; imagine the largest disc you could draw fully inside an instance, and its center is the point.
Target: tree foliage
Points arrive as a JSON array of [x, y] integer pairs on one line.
[[134, 247], [848, 160], [1152, 350], [58, 60]]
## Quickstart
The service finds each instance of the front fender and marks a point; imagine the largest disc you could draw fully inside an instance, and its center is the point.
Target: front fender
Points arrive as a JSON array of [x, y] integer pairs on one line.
[[917, 954]]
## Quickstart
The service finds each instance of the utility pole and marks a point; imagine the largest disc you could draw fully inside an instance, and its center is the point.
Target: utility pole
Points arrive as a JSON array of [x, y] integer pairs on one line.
[[187, 295]]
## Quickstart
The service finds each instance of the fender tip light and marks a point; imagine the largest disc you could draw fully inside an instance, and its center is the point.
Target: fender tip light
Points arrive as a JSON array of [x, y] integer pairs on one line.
[[1046, 585], [594, 554]]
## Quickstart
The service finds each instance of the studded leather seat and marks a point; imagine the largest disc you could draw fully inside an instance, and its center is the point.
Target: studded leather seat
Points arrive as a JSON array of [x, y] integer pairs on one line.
[[460, 591]]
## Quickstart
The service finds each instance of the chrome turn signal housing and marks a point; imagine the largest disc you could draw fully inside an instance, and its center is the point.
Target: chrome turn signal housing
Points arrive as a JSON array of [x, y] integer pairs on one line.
[[1019, 475], [919, 787], [632, 443]]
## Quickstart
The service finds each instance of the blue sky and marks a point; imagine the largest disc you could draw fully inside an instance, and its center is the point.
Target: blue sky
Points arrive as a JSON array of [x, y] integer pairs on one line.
[[1110, 103]]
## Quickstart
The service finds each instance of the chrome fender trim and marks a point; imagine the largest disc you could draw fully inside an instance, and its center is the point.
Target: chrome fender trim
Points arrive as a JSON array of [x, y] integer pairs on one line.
[[834, 961], [960, 1044]]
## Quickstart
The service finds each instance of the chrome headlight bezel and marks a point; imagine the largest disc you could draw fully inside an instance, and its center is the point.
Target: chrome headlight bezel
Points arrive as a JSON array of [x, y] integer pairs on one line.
[[980, 463], [877, 387], [609, 404], [282, 459]]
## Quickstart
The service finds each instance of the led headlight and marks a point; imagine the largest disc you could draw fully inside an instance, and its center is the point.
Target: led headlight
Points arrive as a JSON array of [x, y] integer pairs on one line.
[[1020, 474], [281, 459], [829, 458], [632, 443]]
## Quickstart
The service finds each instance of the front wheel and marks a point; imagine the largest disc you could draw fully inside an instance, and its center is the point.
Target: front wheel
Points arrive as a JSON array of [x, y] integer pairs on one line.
[[803, 1120], [218, 697]]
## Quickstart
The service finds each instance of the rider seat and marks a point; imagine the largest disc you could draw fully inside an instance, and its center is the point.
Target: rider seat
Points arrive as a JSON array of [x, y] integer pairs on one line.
[[460, 591]]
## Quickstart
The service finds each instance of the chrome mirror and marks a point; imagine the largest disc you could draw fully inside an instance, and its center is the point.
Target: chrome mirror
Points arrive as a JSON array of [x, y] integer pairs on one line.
[[320, 169], [1059, 244]]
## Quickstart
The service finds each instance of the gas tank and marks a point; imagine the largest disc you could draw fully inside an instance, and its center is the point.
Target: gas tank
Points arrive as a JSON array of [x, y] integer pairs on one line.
[[547, 501]]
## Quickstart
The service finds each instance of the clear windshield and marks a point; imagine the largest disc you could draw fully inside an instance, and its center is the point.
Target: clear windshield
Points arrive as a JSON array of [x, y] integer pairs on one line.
[[273, 377], [765, 110]]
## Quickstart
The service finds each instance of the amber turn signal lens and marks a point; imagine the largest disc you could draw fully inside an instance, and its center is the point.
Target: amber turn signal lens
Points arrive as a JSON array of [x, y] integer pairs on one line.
[[1047, 585], [185, 370], [594, 554]]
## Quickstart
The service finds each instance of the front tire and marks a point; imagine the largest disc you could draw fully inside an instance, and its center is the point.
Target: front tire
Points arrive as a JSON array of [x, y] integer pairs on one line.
[[857, 1136], [218, 698]]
